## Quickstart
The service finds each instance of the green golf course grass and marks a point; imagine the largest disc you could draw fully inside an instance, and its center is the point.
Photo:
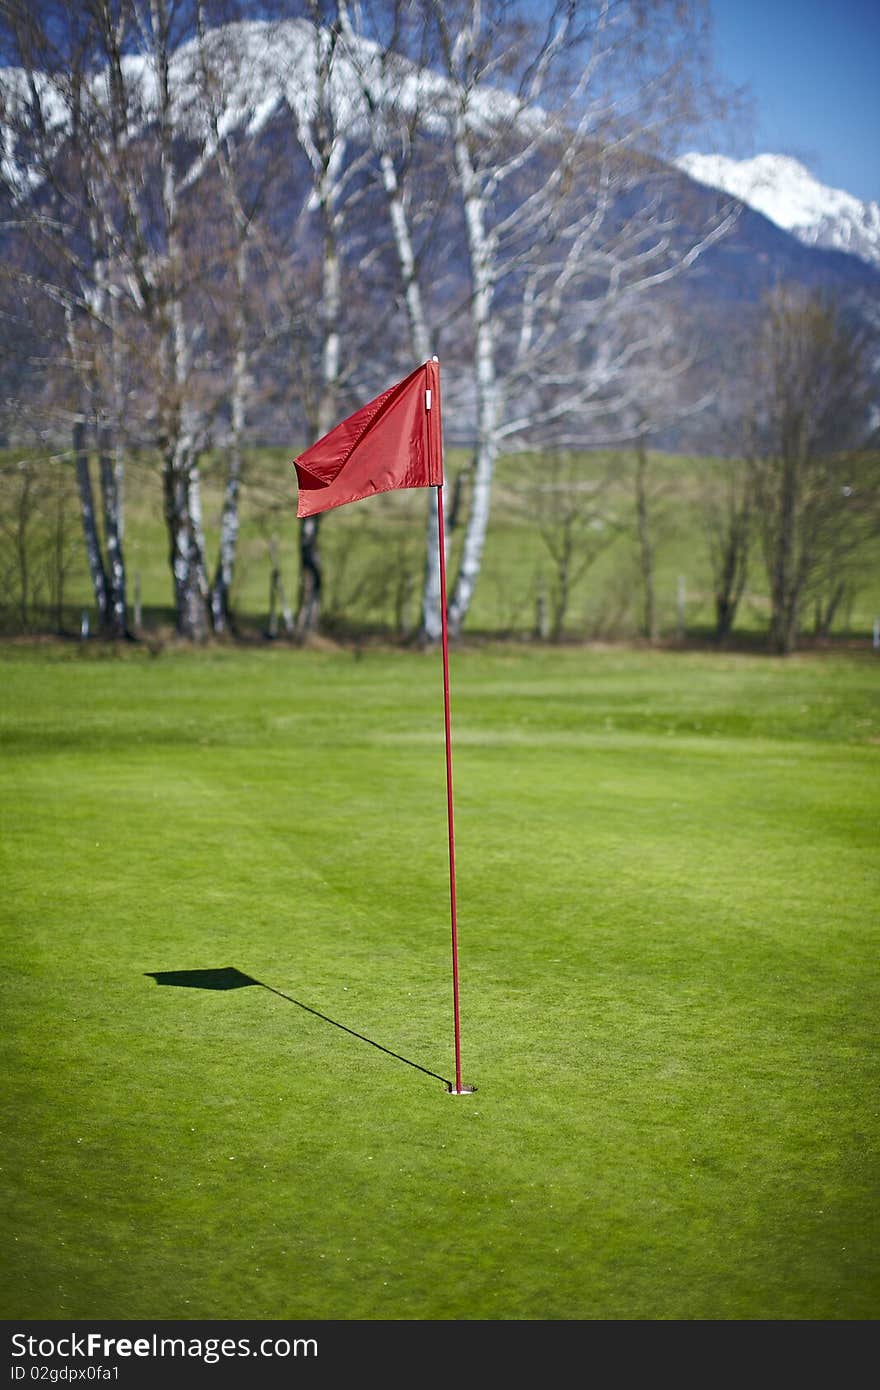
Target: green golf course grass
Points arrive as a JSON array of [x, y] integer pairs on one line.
[[667, 897]]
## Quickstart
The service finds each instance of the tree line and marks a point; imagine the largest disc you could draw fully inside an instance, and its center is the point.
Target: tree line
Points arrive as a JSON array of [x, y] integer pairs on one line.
[[214, 223]]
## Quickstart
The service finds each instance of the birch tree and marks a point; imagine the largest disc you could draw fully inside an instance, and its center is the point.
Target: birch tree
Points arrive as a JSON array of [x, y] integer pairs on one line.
[[306, 64], [166, 105], [394, 129], [552, 133], [178, 435], [225, 67], [123, 121], [161, 138], [324, 145], [58, 185]]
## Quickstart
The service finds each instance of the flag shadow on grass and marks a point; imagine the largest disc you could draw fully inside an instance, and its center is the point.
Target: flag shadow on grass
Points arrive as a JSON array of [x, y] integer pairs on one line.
[[229, 978]]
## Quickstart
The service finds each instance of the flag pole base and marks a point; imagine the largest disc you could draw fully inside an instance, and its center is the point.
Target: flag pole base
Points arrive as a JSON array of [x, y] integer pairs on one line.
[[452, 1090]]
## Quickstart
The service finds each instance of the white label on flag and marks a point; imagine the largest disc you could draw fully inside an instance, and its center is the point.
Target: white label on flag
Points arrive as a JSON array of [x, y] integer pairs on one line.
[[427, 400]]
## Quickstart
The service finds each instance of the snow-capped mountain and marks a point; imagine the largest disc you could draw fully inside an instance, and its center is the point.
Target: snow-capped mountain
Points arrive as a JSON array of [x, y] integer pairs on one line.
[[788, 194], [263, 69], [256, 84], [259, 69]]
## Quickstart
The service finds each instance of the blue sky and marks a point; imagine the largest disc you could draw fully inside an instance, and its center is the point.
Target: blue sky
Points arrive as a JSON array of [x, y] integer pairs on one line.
[[813, 67]]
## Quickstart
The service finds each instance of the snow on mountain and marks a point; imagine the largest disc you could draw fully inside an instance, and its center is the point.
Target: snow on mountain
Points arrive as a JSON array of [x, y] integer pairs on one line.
[[788, 194], [261, 69]]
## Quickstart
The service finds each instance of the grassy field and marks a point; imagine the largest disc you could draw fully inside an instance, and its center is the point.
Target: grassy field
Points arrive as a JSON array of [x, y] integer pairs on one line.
[[668, 886], [373, 556]]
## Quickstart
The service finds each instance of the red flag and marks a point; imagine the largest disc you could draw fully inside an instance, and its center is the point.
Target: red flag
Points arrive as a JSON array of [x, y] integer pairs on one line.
[[392, 442]]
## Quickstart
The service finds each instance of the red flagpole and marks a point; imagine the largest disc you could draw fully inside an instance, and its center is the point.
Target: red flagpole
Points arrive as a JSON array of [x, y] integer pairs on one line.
[[458, 1086]]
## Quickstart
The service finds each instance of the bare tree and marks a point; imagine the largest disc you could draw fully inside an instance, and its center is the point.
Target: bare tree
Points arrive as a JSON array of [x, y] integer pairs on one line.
[[552, 131], [646, 542], [58, 183], [545, 133], [807, 447], [37, 553], [571, 504], [724, 499], [179, 436], [656, 390], [726, 505], [324, 144], [226, 66], [122, 117], [314, 86], [395, 125]]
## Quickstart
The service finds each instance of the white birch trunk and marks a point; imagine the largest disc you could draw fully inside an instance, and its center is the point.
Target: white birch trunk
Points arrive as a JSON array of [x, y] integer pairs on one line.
[[182, 483], [480, 250], [376, 97], [431, 625], [432, 620], [331, 305], [325, 149], [116, 407], [107, 421]]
